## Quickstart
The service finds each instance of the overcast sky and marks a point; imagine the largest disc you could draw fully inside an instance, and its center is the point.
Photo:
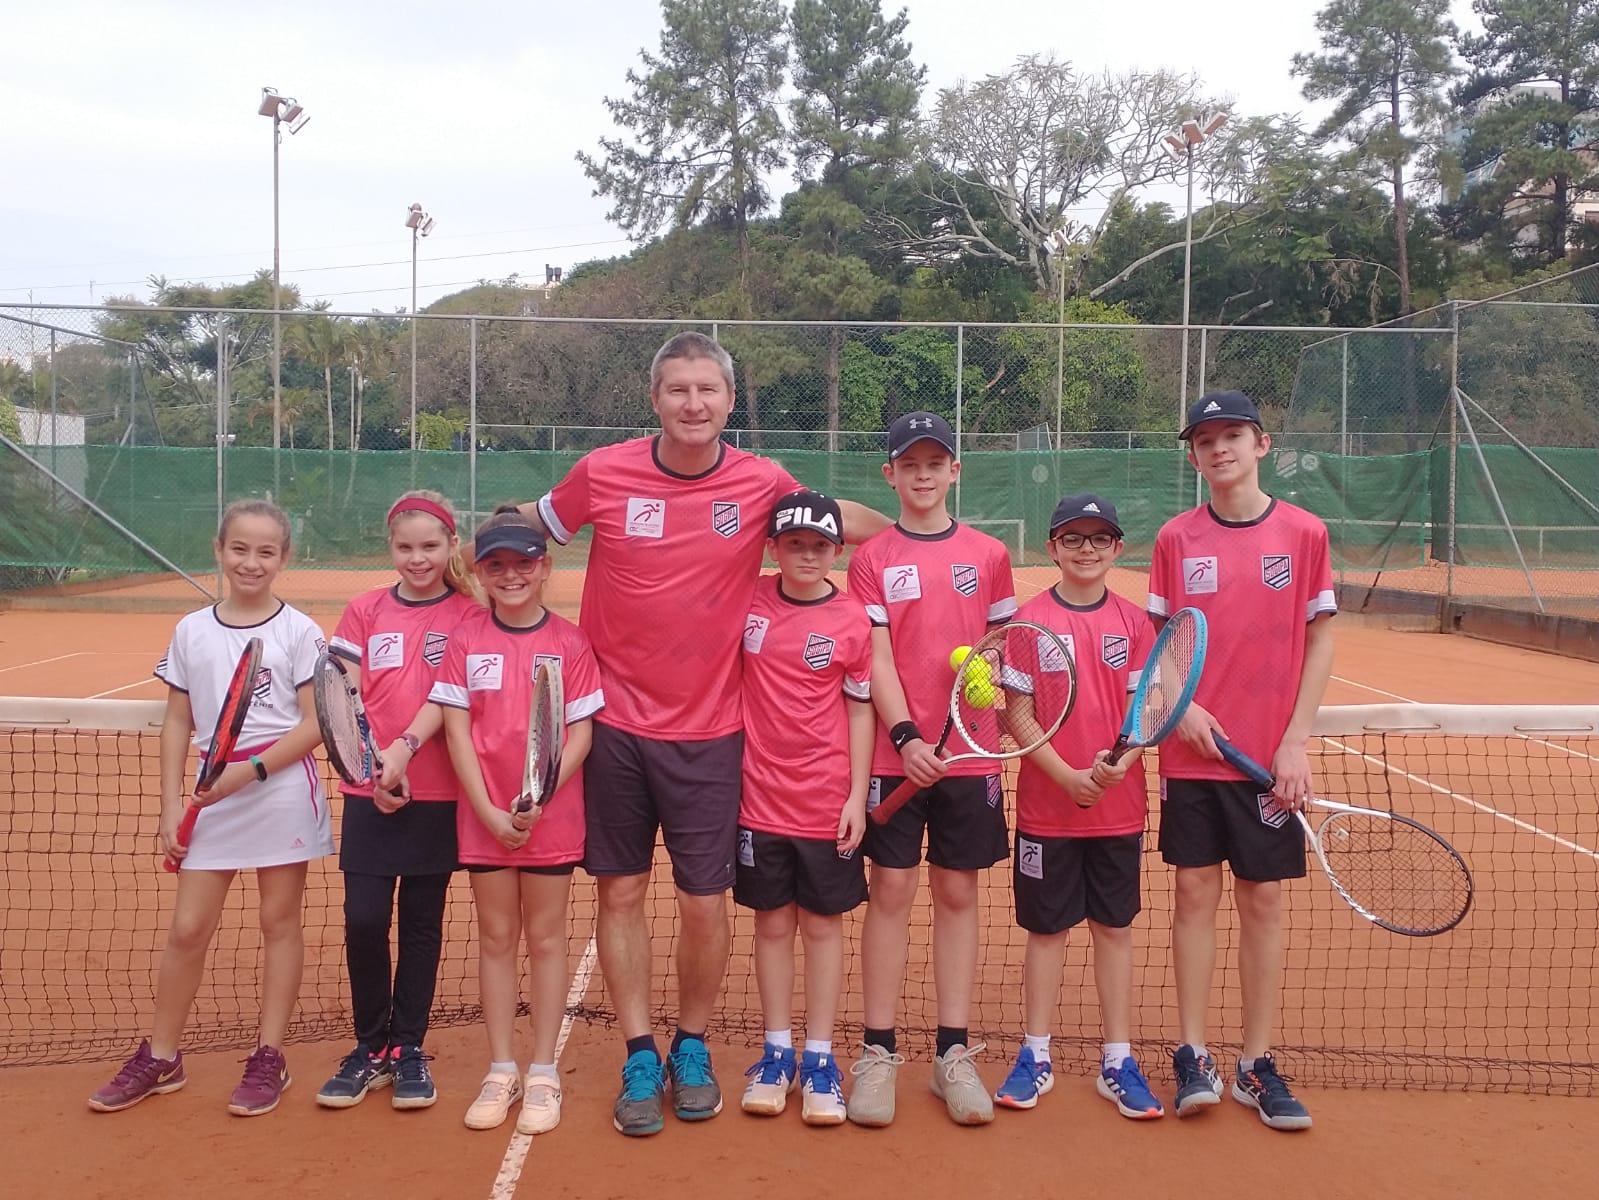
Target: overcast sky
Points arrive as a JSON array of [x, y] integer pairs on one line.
[[133, 147]]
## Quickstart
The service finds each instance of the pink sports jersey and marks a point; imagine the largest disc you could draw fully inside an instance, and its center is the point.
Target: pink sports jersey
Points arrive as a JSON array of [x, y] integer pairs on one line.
[[801, 659], [399, 646], [488, 670], [1109, 642], [933, 592], [671, 568], [1259, 584]]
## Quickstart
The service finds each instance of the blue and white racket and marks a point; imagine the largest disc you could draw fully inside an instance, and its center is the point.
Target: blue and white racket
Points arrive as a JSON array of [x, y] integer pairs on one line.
[[1168, 683]]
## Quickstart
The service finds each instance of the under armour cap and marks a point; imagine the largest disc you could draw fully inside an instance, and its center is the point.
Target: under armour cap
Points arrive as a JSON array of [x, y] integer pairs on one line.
[[518, 539], [1081, 506], [806, 509], [915, 427], [1220, 406]]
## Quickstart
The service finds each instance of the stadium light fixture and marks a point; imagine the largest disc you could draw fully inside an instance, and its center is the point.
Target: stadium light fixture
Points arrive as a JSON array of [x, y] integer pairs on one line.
[[420, 225]]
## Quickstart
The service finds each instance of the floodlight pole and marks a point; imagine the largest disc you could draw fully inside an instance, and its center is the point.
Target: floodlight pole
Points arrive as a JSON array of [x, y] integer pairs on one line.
[[279, 109], [1184, 143], [420, 225]]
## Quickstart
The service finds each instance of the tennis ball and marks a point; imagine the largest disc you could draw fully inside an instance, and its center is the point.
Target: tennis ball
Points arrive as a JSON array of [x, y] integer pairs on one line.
[[979, 690], [958, 656]]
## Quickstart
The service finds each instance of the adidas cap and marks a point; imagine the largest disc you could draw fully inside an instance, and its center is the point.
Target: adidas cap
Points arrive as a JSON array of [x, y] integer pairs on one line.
[[805, 509], [1081, 506], [1220, 406]]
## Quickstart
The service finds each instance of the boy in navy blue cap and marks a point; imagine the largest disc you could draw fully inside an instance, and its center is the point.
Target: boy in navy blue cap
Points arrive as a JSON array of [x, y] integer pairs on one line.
[[1260, 571], [1077, 862]]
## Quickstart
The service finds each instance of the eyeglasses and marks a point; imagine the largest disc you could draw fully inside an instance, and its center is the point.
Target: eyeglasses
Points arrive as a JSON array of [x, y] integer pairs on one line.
[[494, 568], [1074, 541]]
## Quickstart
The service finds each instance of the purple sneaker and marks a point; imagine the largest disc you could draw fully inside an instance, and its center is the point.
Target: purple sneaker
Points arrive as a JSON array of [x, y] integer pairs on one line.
[[142, 1075], [266, 1078]]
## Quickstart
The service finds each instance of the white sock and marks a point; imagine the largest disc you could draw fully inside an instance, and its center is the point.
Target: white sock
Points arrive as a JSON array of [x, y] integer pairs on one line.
[[1114, 1053], [505, 1068], [782, 1038], [1245, 1064], [547, 1070], [817, 1046], [1038, 1045]]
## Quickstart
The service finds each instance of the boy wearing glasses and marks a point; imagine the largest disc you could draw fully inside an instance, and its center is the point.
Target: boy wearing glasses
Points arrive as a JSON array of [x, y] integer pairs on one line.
[[1080, 820]]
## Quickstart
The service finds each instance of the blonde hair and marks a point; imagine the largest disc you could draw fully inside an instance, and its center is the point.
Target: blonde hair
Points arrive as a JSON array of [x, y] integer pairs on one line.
[[455, 573], [254, 507]]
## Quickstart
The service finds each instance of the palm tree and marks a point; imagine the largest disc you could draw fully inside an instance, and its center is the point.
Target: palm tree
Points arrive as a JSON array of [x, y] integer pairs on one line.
[[323, 340]]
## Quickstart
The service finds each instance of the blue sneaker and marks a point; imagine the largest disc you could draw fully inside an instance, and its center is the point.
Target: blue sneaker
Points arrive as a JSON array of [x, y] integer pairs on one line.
[[1129, 1090], [1262, 1089], [639, 1107], [770, 1081], [1198, 1083], [695, 1093], [821, 1090], [1029, 1079]]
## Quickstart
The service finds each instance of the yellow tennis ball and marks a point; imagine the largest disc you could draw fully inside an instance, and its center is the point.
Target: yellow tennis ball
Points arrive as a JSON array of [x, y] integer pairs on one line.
[[979, 690], [958, 656], [980, 669]]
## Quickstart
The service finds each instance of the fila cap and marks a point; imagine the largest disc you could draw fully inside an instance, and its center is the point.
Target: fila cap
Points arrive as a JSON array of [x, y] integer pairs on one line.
[[806, 509]]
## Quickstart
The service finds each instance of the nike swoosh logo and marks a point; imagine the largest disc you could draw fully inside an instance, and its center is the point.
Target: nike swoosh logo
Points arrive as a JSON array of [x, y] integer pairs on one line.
[[168, 1077]]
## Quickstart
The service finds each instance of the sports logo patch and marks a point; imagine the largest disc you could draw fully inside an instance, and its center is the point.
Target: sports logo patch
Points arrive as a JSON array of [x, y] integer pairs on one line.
[[483, 672], [262, 692], [1276, 570], [553, 661], [1113, 649], [385, 650], [746, 848], [1050, 657], [320, 645], [818, 651], [1200, 575], [901, 583], [433, 648], [724, 517], [1029, 858], [965, 578], [645, 517], [755, 632], [874, 793], [1272, 811], [996, 793]]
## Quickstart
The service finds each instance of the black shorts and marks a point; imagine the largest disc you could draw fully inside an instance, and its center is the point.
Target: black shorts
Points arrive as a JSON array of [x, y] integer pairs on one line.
[[552, 869], [775, 869], [1207, 821], [690, 791], [1060, 881], [964, 818], [415, 839]]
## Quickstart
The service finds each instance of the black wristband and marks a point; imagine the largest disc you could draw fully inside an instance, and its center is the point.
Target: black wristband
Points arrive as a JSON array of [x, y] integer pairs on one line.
[[902, 733]]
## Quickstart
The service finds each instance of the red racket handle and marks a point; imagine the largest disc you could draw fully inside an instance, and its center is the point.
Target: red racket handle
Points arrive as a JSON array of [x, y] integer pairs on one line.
[[897, 799], [185, 832]]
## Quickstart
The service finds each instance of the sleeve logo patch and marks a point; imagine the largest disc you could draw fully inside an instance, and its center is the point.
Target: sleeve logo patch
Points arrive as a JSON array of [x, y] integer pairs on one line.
[[818, 651], [484, 671], [385, 650], [433, 648], [1113, 650], [1276, 570], [645, 517], [1200, 575], [755, 627], [901, 584], [724, 517], [965, 579]]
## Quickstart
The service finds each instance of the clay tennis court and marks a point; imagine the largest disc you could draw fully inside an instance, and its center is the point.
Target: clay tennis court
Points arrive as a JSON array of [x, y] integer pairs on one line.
[[1393, 1010]]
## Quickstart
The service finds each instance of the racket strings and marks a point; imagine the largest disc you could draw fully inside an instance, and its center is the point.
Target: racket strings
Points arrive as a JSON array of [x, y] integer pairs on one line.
[[1395, 871], [1012, 691], [341, 729], [1181, 642]]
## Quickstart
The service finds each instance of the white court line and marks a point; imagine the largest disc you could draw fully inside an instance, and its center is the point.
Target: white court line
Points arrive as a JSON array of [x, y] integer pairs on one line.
[[127, 687], [41, 661], [1366, 687], [516, 1153]]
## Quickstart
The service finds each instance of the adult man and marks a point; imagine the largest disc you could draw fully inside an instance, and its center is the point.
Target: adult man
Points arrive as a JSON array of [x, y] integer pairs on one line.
[[679, 527]]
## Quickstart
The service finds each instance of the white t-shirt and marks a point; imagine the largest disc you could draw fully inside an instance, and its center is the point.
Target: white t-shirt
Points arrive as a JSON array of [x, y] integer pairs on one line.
[[284, 819]]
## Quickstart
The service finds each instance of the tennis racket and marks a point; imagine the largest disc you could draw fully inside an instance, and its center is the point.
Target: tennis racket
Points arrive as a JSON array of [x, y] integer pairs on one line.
[[1395, 872], [1167, 685], [1012, 692], [341, 716], [235, 704], [546, 735]]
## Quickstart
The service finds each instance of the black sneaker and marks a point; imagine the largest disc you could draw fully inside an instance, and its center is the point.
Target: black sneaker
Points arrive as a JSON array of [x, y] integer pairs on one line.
[[361, 1071], [1260, 1087], [413, 1085], [638, 1107], [1198, 1082], [696, 1096]]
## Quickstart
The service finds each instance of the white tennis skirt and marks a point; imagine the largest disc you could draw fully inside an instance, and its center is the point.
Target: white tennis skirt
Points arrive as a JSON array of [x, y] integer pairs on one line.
[[283, 819]]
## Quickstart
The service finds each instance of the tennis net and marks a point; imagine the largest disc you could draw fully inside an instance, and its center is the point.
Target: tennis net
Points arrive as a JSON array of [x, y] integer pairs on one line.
[[1504, 1002]]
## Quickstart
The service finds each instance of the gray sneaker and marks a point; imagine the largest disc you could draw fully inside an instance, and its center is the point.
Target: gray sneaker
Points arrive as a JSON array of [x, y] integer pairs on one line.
[[955, 1082], [871, 1097], [639, 1107], [696, 1096]]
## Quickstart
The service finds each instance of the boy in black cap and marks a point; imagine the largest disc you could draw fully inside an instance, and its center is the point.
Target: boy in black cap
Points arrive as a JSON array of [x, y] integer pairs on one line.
[[1260, 571], [930, 585], [808, 729], [1080, 861]]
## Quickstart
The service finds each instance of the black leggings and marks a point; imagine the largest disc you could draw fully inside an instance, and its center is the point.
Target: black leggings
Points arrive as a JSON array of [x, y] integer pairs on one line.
[[391, 1005]]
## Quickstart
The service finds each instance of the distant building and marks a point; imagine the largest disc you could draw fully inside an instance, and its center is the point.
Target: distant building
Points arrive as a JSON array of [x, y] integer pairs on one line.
[[40, 429]]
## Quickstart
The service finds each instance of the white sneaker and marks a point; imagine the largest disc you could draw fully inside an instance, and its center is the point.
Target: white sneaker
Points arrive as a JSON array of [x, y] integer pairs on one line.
[[494, 1099], [821, 1090], [541, 1105], [871, 1097], [955, 1082], [771, 1080]]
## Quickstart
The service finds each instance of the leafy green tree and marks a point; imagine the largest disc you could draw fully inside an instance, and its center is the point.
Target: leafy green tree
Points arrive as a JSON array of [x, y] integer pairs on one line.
[[703, 124], [10, 423], [324, 341], [1534, 139], [1384, 64]]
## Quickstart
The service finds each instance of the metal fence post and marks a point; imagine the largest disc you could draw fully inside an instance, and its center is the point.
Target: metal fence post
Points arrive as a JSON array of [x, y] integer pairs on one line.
[[1204, 363], [54, 433], [960, 366], [471, 427], [1454, 448], [222, 426]]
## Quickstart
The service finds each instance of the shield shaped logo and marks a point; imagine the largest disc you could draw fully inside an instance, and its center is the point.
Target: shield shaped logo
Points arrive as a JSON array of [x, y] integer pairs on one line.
[[1276, 570], [818, 651], [263, 686], [965, 578], [1113, 649], [433, 648], [724, 517], [1271, 810]]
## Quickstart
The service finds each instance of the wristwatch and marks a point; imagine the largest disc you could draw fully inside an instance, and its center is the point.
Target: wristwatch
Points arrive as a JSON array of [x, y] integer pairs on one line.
[[412, 742]]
